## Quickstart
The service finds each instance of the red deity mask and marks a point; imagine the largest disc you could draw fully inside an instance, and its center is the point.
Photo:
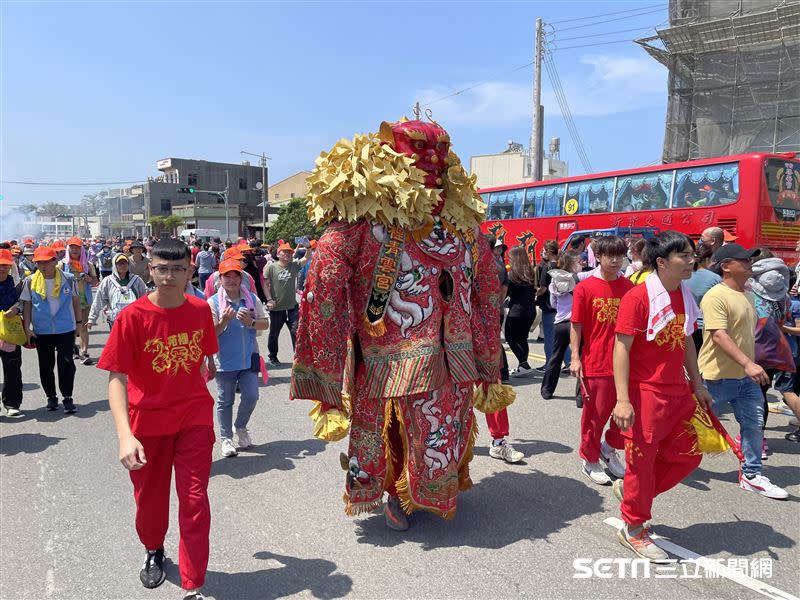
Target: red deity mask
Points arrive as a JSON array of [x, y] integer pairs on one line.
[[427, 143]]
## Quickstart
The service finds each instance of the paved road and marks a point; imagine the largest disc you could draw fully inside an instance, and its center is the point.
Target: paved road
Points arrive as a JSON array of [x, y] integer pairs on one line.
[[66, 513]]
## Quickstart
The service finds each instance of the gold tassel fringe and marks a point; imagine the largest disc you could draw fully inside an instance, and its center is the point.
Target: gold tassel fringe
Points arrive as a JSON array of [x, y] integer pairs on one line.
[[376, 329], [329, 426], [494, 397]]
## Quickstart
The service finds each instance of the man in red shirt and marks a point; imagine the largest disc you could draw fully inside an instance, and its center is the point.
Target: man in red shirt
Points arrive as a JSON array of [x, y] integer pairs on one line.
[[654, 402], [163, 412], [594, 315]]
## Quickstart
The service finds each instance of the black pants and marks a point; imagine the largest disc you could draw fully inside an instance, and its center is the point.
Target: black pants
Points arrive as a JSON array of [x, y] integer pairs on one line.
[[277, 318], [553, 370], [12, 377], [56, 351], [516, 333]]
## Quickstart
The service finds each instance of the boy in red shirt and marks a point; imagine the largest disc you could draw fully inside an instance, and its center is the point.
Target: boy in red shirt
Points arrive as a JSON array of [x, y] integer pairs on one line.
[[654, 403], [163, 413], [595, 303]]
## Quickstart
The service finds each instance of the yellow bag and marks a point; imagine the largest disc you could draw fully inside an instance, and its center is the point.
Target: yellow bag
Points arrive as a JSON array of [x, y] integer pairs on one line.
[[11, 330]]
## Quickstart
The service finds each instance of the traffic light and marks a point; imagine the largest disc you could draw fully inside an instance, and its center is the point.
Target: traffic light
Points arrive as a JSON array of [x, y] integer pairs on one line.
[[186, 190]]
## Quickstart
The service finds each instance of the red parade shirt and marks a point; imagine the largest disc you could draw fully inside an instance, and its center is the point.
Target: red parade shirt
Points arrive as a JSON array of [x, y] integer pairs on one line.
[[656, 365], [161, 350], [595, 304]]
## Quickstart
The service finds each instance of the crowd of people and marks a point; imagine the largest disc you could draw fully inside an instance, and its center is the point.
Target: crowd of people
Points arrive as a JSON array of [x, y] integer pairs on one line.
[[614, 313]]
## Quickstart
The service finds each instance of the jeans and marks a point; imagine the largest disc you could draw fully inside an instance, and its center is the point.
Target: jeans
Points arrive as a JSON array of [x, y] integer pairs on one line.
[[226, 393], [744, 395], [56, 351], [202, 278], [12, 377], [277, 318], [548, 320], [560, 348]]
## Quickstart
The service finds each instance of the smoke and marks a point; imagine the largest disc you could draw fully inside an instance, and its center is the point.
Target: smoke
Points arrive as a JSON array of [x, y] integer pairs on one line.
[[13, 224]]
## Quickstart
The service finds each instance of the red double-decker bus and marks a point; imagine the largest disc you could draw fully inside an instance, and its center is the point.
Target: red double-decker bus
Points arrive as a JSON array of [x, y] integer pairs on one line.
[[753, 196]]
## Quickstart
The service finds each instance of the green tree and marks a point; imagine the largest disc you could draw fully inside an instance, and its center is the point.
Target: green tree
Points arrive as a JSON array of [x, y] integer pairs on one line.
[[53, 209], [172, 222], [292, 222]]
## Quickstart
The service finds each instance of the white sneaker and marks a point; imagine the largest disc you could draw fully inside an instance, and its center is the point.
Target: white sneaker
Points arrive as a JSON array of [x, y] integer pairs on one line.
[[609, 456], [762, 485], [13, 413], [243, 438], [596, 473], [506, 452], [521, 371], [228, 449]]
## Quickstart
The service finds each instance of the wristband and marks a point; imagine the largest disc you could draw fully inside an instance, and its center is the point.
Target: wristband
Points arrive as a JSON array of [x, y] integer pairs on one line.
[[78, 321]]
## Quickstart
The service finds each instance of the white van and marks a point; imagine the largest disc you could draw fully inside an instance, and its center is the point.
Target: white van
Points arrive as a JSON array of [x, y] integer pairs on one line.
[[205, 235]]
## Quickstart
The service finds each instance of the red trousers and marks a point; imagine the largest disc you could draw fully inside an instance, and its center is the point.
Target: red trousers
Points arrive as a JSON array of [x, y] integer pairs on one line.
[[658, 451], [600, 397], [497, 424], [189, 452]]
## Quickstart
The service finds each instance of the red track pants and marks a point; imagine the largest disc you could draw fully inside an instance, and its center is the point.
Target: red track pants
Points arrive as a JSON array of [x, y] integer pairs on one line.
[[497, 424], [658, 451], [599, 400], [189, 451]]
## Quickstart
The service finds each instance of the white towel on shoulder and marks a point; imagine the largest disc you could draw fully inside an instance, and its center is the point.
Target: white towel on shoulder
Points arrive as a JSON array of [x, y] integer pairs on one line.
[[661, 313]]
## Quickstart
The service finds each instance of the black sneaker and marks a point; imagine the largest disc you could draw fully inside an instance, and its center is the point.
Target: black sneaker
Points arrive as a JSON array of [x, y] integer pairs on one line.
[[76, 352], [541, 369], [69, 406], [274, 362], [152, 574], [52, 404]]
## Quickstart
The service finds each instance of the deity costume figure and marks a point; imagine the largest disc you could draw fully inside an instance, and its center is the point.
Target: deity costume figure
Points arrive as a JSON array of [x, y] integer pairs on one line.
[[399, 326]]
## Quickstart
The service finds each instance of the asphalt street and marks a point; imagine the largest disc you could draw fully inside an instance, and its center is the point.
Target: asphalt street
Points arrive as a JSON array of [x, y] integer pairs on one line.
[[279, 530]]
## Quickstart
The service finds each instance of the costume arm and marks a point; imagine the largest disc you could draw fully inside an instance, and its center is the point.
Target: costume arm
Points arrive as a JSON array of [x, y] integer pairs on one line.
[[322, 334], [490, 395]]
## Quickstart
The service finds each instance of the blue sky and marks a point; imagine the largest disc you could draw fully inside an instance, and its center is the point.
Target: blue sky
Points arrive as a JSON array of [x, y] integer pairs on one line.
[[98, 91]]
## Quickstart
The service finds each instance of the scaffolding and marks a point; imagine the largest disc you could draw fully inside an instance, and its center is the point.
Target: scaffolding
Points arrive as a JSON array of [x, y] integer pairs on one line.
[[734, 82]]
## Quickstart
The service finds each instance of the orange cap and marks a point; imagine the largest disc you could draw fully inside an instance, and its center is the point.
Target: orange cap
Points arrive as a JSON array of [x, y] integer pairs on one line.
[[229, 265], [232, 253], [312, 244], [284, 246], [73, 241], [43, 254], [6, 258], [729, 237], [58, 245]]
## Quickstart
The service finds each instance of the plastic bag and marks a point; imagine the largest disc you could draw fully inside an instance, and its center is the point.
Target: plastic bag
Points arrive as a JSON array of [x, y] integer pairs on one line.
[[12, 331]]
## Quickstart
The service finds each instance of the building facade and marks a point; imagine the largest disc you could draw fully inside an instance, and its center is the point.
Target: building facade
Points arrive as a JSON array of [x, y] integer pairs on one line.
[[131, 208], [293, 186], [512, 167], [734, 77]]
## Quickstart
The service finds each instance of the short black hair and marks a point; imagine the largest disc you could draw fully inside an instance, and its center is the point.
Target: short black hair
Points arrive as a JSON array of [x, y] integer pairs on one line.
[[610, 245], [577, 241], [664, 244], [170, 249]]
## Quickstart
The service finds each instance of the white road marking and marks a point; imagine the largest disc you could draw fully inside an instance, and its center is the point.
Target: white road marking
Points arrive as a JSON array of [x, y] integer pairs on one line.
[[713, 566]]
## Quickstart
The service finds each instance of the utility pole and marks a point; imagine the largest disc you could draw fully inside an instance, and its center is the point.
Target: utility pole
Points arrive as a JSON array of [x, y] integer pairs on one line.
[[227, 214], [263, 158], [535, 147]]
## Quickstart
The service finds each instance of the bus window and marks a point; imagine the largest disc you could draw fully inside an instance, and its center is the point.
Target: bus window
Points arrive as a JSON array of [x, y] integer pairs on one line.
[[645, 191], [505, 205], [589, 196], [783, 188], [546, 199], [711, 185]]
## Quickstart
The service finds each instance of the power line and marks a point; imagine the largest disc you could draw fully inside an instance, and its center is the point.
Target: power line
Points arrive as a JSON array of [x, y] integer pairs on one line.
[[604, 21], [70, 183], [590, 45], [472, 87], [619, 12], [592, 35]]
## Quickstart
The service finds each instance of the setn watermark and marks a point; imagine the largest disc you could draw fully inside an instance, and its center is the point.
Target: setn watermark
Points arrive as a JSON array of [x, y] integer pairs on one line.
[[639, 568]]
